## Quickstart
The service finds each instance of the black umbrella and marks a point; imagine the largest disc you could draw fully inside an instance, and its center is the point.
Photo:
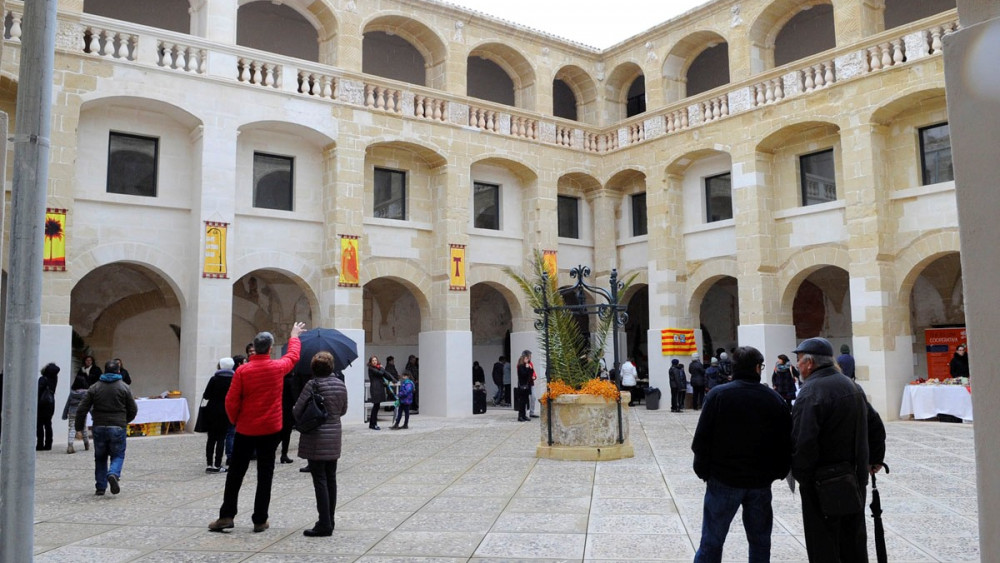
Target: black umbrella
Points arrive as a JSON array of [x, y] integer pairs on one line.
[[876, 507], [331, 340]]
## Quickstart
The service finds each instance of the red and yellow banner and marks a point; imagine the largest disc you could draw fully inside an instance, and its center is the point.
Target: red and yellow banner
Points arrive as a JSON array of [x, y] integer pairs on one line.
[[456, 267], [551, 264], [215, 250], [678, 342], [55, 241], [349, 263]]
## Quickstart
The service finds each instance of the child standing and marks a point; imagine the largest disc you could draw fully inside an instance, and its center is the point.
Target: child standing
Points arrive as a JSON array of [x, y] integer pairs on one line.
[[405, 396]]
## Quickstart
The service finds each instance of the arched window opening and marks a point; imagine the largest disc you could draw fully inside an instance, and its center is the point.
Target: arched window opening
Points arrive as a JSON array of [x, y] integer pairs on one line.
[[636, 99], [709, 70], [809, 32], [488, 81], [171, 15], [902, 12], [391, 56], [256, 23], [563, 100]]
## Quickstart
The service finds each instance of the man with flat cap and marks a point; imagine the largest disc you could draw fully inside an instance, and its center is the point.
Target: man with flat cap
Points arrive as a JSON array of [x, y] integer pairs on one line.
[[837, 440]]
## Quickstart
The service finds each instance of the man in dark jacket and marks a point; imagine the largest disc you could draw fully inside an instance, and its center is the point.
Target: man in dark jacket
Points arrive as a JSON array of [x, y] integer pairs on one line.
[[697, 371], [742, 444], [112, 407], [833, 425], [678, 385], [498, 381]]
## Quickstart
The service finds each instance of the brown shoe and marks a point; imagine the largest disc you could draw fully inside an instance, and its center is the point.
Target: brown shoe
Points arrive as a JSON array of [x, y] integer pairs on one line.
[[221, 524], [258, 528]]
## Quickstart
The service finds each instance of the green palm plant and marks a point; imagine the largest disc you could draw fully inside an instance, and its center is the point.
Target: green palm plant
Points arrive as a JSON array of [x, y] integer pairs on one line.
[[572, 360]]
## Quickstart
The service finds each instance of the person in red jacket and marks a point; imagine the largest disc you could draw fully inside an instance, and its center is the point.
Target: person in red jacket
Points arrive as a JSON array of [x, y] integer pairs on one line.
[[254, 405]]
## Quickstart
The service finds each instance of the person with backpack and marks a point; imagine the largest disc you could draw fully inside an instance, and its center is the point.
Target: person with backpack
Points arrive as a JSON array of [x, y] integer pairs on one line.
[[783, 379], [405, 396], [46, 406], [726, 367], [713, 376]]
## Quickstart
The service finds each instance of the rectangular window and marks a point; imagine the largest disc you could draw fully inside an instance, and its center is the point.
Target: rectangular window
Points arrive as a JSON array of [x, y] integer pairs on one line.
[[935, 154], [272, 181], [639, 214], [390, 194], [132, 164], [817, 177], [719, 197], [486, 205], [569, 217]]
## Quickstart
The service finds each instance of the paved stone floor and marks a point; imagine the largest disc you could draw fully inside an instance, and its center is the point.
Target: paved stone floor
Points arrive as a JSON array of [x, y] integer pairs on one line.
[[472, 490]]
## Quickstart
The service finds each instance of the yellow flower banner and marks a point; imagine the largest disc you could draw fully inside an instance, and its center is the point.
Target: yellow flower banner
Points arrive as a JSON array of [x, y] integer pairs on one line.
[[551, 264], [350, 275], [215, 250], [55, 241], [456, 268]]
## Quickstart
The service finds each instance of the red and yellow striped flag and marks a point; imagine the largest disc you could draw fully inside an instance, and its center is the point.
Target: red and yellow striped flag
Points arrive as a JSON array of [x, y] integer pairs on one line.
[[678, 341]]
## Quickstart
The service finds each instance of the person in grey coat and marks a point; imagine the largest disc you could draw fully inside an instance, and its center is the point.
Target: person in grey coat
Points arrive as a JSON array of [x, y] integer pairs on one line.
[[321, 447]]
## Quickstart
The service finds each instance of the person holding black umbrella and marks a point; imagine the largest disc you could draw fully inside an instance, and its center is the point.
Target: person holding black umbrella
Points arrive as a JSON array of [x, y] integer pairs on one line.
[[837, 441]]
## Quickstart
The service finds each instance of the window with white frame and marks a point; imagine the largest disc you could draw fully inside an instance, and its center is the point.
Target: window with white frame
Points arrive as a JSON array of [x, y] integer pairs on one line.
[[719, 197], [817, 177], [390, 194]]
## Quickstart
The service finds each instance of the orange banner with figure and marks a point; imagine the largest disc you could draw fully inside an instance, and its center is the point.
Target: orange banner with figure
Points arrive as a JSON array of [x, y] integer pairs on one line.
[[456, 267], [678, 341], [215, 250], [551, 264], [55, 241], [349, 264]]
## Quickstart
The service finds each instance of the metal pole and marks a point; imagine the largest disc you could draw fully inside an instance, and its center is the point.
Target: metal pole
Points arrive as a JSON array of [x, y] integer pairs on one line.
[[614, 341], [548, 356], [24, 307]]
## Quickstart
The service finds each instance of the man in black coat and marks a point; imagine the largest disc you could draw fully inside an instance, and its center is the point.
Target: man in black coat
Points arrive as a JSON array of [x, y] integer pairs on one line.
[[697, 371], [742, 445], [833, 426]]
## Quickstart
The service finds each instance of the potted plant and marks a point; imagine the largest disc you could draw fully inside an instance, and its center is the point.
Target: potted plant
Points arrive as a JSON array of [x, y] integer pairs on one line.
[[582, 413]]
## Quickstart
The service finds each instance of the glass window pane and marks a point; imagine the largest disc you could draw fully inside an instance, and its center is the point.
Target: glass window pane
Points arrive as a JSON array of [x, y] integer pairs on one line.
[[272, 181], [639, 215], [818, 179], [569, 219], [132, 164], [486, 202], [935, 154], [719, 197], [390, 194]]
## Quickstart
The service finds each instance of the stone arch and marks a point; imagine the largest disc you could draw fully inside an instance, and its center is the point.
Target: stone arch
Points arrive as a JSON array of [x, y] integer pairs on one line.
[[681, 56], [781, 136], [302, 272], [317, 15], [800, 265], [580, 182], [422, 37], [584, 89], [404, 272], [148, 103], [764, 30], [704, 277], [641, 279], [307, 132], [517, 67], [914, 96], [497, 279], [911, 261], [625, 176], [616, 89], [524, 173], [680, 165], [432, 156], [165, 267]]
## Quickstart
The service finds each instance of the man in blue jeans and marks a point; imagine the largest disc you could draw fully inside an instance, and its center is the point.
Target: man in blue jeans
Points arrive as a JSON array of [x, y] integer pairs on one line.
[[742, 444], [112, 407]]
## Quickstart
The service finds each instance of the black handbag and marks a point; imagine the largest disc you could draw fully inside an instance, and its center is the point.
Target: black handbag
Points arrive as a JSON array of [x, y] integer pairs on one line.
[[314, 414], [838, 491], [201, 423]]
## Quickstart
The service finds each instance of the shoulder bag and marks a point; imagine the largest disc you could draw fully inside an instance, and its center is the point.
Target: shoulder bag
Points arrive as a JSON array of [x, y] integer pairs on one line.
[[314, 414]]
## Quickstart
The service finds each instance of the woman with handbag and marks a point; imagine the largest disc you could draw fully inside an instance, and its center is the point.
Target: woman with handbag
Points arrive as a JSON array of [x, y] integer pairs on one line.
[[213, 415], [321, 446]]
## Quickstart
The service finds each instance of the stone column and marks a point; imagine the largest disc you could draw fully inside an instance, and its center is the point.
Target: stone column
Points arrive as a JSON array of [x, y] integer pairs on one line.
[[215, 20], [446, 345], [883, 352], [602, 203], [206, 314], [341, 307], [856, 20], [764, 324]]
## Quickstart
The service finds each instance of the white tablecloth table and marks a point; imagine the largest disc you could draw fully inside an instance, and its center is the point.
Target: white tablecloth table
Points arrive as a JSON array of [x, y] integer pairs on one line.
[[158, 410], [927, 401]]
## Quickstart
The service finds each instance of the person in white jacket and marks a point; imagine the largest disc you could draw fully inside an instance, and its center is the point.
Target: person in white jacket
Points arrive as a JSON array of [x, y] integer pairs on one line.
[[628, 375]]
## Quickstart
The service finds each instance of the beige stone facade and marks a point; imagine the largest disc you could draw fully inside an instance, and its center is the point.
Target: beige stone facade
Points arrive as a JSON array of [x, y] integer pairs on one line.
[[871, 265]]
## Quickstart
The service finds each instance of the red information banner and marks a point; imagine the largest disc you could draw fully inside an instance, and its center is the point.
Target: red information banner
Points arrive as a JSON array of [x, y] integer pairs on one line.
[[941, 345]]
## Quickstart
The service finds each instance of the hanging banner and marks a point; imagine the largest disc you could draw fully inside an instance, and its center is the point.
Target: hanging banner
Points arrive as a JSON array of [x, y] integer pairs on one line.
[[349, 269], [940, 345], [55, 240], [678, 341], [456, 267], [215, 250], [551, 264]]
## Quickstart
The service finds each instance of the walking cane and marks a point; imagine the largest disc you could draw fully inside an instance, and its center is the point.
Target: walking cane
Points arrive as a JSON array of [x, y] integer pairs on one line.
[[876, 507]]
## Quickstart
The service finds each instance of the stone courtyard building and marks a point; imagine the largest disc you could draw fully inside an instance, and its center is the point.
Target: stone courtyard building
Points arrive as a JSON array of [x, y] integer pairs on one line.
[[770, 170]]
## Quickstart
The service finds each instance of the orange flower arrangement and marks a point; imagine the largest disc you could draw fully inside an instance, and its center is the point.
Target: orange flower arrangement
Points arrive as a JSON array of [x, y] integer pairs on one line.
[[599, 387]]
